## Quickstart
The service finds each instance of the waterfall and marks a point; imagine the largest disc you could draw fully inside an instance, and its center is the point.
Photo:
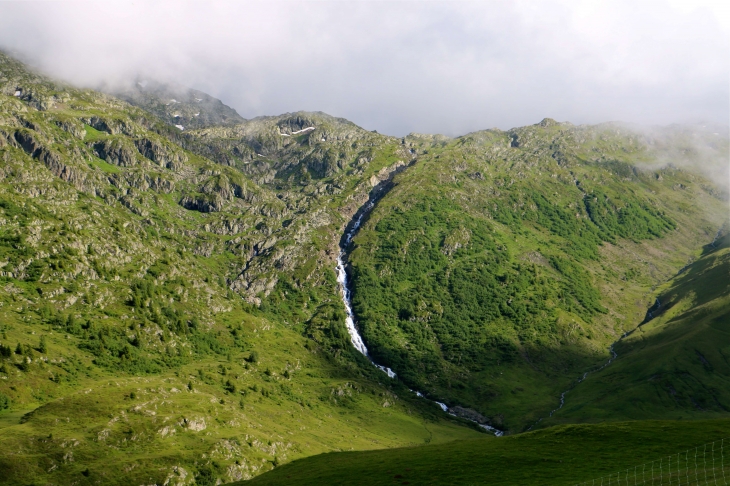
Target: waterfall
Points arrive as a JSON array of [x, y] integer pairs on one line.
[[345, 293]]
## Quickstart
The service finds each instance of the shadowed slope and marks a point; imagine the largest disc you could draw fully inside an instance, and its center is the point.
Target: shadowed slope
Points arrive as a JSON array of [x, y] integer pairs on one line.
[[676, 365], [562, 455]]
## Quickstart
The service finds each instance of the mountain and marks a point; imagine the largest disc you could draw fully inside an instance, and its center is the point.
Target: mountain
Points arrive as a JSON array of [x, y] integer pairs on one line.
[[178, 105], [502, 265], [170, 311], [130, 351]]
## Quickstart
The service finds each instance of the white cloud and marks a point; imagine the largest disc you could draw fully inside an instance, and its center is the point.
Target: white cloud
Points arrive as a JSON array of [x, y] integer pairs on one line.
[[402, 66]]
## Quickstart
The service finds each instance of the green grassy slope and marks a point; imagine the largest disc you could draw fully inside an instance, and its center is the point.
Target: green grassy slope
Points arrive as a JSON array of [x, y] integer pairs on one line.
[[217, 417], [503, 264], [561, 455], [676, 365], [169, 310], [132, 348]]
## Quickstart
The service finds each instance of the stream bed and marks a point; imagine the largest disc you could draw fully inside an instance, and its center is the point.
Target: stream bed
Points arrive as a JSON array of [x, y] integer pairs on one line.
[[350, 322]]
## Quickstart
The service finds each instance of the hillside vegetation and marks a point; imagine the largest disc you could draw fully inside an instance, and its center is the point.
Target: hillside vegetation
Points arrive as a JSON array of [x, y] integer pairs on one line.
[[504, 264], [676, 364], [131, 345], [169, 310], [562, 455]]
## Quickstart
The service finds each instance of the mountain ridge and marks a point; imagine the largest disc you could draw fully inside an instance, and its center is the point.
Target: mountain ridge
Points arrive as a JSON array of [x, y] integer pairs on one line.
[[187, 278]]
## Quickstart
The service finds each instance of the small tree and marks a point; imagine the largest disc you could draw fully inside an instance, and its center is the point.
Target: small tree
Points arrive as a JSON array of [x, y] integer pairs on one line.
[[42, 346], [4, 401]]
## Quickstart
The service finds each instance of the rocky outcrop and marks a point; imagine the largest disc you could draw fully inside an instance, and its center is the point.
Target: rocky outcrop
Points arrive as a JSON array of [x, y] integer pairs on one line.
[[33, 147], [53, 161], [196, 424], [110, 126], [142, 182], [115, 151], [548, 122], [228, 189], [295, 124], [205, 203], [222, 186], [387, 173], [29, 143], [469, 414], [160, 154], [73, 127], [323, 163], [159, 184]]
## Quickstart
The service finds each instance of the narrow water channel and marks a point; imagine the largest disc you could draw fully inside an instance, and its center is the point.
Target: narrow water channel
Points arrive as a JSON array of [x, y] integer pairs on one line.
[[350, 322]]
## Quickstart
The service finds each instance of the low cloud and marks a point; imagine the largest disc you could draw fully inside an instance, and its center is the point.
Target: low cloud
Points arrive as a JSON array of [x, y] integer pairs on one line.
[[703, 149], [400, 66]]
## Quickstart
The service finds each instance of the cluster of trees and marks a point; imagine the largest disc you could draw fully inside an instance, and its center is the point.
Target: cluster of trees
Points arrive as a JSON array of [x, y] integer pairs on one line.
[[625, 217]]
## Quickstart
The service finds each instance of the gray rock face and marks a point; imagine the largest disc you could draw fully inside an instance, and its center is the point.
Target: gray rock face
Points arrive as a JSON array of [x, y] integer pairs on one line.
[[28, 143], [33, 147], [116, 152], [322, 163], [112, 127], [470, 414], [295, 124], [548, 122], [73, 127], [203, 203], [160, 154]]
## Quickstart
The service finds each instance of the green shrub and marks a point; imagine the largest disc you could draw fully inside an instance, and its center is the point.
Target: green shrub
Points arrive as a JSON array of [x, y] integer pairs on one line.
[[4, 401]]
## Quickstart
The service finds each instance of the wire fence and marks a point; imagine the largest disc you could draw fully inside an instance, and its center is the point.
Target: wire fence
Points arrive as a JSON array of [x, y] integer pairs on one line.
[[703, 465]]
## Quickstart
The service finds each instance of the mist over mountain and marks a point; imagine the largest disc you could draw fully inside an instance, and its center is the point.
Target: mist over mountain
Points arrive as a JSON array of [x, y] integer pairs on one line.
[[400, 67], [177, 105]]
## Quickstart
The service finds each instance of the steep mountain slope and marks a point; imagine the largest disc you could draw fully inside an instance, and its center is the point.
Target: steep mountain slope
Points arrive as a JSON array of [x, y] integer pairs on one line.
[[503, 264], [675, 364], [129, 352]]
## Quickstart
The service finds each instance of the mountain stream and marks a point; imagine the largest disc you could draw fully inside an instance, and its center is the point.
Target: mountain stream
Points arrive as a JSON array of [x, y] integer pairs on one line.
[[345, 292]]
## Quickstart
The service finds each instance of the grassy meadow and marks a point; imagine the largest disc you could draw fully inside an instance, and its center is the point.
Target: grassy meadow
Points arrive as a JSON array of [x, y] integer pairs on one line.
[[563, 455]]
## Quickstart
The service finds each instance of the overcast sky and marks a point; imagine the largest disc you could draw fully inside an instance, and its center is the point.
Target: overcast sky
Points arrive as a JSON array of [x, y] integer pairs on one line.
[[400, 67]]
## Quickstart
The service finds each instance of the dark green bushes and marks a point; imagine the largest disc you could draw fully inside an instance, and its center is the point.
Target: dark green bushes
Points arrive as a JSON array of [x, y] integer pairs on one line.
[[4, 401], [433, 282], [625, 218]]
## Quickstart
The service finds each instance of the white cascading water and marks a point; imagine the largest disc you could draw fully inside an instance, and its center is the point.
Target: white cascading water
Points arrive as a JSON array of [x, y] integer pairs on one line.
[[355, 337], [345, 291]]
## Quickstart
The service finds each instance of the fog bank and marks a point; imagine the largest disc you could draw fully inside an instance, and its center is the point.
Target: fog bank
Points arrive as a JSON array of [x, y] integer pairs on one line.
[[398, 67]]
